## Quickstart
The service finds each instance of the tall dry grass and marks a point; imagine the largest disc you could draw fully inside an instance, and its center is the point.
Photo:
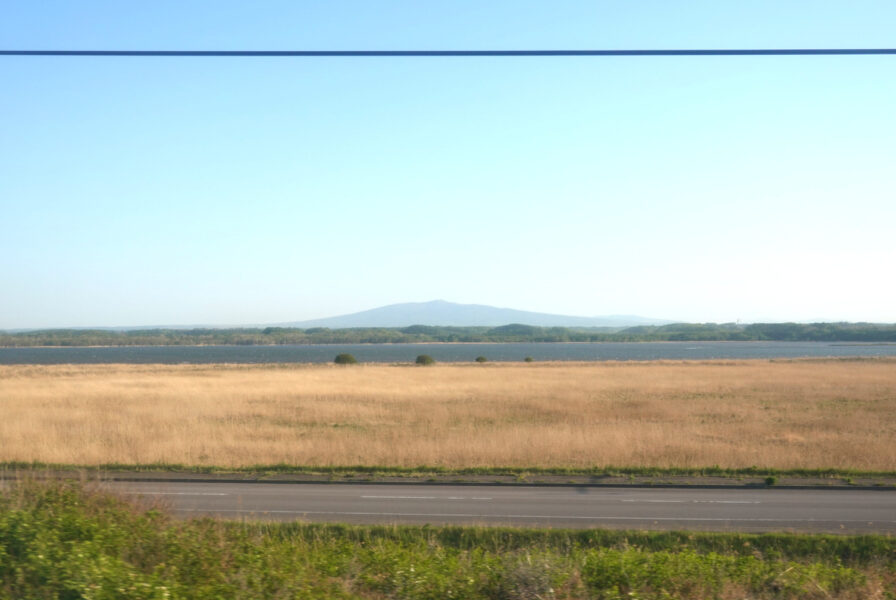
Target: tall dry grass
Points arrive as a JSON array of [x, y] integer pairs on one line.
[[802, 414]]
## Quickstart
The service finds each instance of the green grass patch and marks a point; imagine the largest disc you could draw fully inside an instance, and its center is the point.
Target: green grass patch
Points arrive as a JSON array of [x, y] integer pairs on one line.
[[60, 540]]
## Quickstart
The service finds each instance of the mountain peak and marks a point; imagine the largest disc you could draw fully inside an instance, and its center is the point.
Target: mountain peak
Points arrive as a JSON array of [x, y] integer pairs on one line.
[[450, 314]]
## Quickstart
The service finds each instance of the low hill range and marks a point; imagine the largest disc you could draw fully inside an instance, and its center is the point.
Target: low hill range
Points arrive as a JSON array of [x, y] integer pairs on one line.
[[441, 313]]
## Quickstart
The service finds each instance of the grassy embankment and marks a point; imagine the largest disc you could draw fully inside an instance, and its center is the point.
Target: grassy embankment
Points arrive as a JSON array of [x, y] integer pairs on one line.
[[804, 416], [59, 541]]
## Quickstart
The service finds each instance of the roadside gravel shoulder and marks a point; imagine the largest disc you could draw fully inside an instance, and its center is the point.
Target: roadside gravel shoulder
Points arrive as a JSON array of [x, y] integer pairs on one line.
[[881, 482]]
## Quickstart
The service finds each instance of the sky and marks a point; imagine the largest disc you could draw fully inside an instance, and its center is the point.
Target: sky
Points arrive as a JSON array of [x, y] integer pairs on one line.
[[175, 191]]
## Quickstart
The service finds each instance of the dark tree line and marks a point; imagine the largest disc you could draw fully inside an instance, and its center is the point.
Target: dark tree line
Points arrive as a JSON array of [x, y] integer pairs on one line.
[[691, 332]]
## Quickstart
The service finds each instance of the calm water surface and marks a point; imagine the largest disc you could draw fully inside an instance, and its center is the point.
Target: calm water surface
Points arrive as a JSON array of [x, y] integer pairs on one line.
[[390, 353]]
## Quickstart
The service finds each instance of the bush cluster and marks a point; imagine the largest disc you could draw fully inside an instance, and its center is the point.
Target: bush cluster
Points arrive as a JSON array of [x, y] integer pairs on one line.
[[345, 359]]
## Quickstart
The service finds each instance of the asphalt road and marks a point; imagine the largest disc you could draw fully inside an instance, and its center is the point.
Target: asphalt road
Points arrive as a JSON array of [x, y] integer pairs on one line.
[[748, 510]]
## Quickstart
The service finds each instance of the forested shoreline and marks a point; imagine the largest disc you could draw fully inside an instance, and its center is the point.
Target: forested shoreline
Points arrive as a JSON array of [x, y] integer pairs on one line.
[[679, 332]]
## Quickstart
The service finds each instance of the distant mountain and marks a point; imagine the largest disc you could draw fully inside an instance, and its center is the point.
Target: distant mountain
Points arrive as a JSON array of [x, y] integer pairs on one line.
[[450, 314]]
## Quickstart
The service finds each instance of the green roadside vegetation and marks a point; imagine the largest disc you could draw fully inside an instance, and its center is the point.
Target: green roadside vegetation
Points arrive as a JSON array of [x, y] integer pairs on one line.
[[820, 332], [60, 540]]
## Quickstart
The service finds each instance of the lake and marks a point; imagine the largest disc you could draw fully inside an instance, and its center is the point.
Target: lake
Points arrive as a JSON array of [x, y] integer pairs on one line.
[[393, 353]]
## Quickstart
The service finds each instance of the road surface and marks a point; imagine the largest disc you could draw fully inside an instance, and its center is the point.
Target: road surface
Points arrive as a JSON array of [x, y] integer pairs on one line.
[[748, 510]]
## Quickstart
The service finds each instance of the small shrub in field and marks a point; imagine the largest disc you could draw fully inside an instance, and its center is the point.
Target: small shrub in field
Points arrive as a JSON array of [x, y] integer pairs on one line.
[[481, 359], [771, 480], [528, 359], [425, 359], [345, 359]]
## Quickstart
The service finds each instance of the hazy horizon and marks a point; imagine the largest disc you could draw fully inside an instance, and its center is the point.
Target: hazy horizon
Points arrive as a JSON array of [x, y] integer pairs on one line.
[[304, 322], [300, 322], [136, 192]]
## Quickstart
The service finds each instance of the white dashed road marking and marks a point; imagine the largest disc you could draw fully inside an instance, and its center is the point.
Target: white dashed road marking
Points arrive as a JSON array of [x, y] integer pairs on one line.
[[181, 494], [424, 498]]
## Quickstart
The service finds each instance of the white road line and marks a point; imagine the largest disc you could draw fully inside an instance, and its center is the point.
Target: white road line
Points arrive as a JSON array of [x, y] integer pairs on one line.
[[424, 498], [478, 516], [726, 501], [692, 501], [178, 493]]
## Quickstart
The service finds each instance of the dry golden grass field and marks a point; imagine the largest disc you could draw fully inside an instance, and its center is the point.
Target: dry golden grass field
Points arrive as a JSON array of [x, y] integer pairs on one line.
[[800, 414]]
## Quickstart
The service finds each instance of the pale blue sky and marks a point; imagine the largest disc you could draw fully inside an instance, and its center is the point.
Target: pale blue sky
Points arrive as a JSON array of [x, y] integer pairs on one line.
[[139, 191]]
